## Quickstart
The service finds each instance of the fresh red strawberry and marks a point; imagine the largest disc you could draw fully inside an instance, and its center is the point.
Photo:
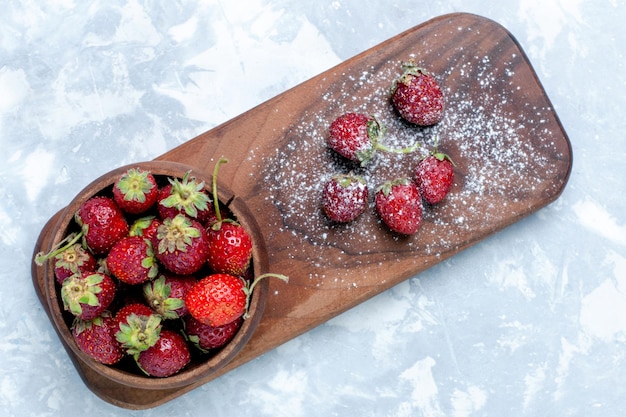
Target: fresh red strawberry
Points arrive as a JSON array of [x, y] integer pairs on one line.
[[219, 299], [230, 245], [73, 260], [145, 226], [356, 136], [69, 258], [87, 295], [132, 307], [345, 197], [416, 95], [230, 248], [97, 339], [102, 222], [206, 337], [132, 260], [181, 245], [434, 176], [166, 294], [137, 328], [185, 196], [168, 356], [136, 191], [399, 205]]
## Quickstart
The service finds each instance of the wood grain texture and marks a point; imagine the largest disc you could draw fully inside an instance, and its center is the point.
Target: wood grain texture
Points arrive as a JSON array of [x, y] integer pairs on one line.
[[512, 158]]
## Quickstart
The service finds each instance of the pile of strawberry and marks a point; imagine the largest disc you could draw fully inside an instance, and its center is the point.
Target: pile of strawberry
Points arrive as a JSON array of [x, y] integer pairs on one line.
[[418, 99], [153, 274]]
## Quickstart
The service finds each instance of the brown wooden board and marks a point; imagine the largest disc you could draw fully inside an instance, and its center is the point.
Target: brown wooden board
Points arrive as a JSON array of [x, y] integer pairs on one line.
[[512, 158]]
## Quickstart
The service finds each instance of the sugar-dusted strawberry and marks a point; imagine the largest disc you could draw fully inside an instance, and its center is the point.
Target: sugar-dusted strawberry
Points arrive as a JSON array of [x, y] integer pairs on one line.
[[166, 294], [102, 223], [345, 197], [185, 196], [181, 245], [206, 337], [136, 191], [145, 227], [434, 175], [87, 295], [417, 96], [219, 299], [399, 205], [168, 356], [96, 338], [230, 245], [137, 328], [132, 260], [356, 136]]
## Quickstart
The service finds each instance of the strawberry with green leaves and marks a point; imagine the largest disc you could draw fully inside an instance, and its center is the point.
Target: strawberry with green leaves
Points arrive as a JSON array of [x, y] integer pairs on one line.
[[181, 245], [96, 338], [168, 356], [132, 260], [417, 96], [131, 307], [145, 227], [166, 294], [230, 245], [185, 196], [356, 136], [137, 328], [87, 295], [345, 197], [399, 205], [73, 260], [102, 223], [69, 257], [136, 191]]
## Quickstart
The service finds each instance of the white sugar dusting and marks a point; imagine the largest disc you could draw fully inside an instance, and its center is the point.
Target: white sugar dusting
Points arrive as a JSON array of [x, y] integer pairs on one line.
[[483, 130]]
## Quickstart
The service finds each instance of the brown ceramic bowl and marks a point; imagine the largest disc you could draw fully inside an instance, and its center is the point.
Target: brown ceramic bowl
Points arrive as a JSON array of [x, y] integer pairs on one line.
[[201, 367]]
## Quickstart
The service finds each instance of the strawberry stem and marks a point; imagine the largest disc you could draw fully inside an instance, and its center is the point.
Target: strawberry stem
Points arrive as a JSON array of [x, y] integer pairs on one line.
[[400, 151], [256, 281], [216, 202], [41, 257], [267, 275], [440, 155]]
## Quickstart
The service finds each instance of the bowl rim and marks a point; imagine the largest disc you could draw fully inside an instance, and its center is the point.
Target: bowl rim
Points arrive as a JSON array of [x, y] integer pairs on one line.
[[195, 372]]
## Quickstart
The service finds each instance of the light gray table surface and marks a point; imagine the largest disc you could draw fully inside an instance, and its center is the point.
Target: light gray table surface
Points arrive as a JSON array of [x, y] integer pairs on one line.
[[530, 322]]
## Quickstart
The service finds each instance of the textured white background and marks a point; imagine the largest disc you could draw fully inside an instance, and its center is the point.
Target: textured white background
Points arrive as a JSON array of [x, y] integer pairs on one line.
[[530, 322]]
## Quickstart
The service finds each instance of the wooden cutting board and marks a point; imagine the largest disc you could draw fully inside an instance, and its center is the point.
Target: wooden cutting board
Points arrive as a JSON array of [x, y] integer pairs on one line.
[[512, 158]]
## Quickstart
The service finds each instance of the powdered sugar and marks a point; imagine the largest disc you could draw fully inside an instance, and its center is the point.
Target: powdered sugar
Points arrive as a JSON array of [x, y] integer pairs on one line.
[[483, 130]]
